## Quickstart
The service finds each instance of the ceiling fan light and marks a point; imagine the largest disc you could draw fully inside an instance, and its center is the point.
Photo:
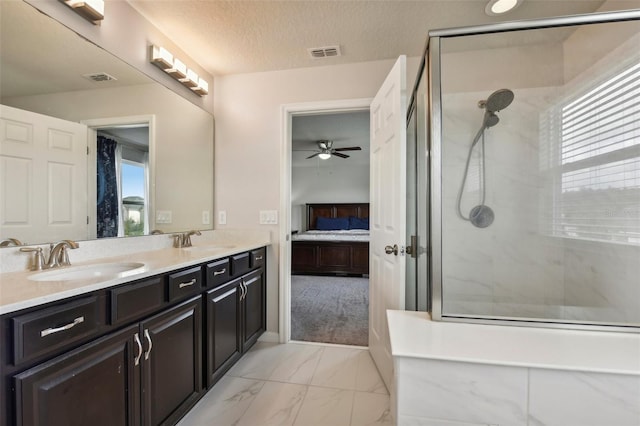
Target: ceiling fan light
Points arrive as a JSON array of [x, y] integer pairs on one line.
[[324, 155]]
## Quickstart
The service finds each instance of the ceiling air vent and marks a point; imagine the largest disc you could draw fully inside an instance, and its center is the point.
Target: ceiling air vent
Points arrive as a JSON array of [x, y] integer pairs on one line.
[[324, 52], [99, 76]]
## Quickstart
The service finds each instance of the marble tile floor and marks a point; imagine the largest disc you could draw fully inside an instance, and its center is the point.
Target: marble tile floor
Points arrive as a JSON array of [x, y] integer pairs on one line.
[[296, 384]]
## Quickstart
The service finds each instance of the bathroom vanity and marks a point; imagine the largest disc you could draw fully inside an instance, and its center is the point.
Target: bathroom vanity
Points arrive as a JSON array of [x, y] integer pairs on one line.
[[131, 350]]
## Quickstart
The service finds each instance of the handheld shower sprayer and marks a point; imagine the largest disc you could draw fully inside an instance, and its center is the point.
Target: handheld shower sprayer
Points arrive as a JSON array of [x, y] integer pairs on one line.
[[481, 215]]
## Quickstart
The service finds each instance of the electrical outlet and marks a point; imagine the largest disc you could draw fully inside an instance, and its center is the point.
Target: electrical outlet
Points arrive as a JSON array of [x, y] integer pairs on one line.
[[222, 217], [163, 216], [206, 219]]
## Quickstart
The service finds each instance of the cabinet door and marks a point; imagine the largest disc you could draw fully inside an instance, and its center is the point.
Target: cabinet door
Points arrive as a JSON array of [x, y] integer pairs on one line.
[[96, 384], [253, 308], [172, 363], [224, 345]]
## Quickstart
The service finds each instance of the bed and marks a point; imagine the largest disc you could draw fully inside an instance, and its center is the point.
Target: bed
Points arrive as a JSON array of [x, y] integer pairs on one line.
[[343, 251]]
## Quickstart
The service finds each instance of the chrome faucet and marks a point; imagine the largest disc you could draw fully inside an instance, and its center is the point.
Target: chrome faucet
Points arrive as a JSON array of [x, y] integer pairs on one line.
[[9, 241], [184, 239]]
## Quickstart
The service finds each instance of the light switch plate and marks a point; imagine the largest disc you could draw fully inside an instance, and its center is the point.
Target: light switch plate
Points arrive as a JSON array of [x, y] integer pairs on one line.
[[222, 217], [163, 216], [268, 217]]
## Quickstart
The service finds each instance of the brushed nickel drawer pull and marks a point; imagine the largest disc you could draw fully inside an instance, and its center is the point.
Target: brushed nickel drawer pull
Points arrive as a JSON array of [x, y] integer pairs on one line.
[[220, 272], [136, 337], [146, 334], [72, 324], [258, 258], [187, 284]]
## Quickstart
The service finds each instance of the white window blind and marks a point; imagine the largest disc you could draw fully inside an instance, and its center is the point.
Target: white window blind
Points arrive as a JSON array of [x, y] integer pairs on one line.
[[599, 193]]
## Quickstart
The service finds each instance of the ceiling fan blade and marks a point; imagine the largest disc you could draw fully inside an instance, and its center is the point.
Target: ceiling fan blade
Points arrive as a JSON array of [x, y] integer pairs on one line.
[[314, 155], [337, 154], [350, 148]]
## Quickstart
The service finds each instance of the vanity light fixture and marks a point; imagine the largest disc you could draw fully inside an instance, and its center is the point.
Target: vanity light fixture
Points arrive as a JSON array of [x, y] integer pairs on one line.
[[91, 10], [163, 59], [499, 7]]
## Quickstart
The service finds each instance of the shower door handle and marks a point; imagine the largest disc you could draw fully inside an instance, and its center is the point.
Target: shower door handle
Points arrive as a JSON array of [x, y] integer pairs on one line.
[[412, 249], [391, 249]]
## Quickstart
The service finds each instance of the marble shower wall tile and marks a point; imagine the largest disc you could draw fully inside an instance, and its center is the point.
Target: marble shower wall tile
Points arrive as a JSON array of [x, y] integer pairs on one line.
[[462, 392], [561, 398]]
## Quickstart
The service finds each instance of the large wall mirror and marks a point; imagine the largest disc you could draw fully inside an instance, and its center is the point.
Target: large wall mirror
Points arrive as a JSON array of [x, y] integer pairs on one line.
[[79, 126]]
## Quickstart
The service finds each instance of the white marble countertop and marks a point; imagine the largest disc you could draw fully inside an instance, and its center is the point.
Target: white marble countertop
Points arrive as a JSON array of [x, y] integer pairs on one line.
[[415, 335], [17, 291]]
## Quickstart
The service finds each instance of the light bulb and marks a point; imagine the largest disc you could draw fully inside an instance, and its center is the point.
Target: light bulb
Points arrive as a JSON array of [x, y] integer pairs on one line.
[[324, 155]]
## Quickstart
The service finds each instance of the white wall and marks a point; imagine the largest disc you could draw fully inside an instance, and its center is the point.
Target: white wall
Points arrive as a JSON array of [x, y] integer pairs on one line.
[[248, 139], [184, 141], [326, 184]]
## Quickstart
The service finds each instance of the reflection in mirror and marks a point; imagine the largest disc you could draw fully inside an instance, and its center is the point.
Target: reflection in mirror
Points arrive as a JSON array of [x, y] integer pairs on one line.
[[60, 95]]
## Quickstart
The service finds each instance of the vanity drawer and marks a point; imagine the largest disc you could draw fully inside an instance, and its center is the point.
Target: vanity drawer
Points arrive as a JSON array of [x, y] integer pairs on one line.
[[239, 264], [133, 301], [257, 258], [184, 283], [48, 330], [218, 272]]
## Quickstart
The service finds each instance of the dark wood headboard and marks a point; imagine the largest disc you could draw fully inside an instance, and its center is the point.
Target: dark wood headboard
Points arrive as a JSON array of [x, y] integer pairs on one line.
[[360, 210]]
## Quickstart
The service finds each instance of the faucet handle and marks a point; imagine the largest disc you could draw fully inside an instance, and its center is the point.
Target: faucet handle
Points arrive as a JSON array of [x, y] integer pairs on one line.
[[177, 240], [38, 260]]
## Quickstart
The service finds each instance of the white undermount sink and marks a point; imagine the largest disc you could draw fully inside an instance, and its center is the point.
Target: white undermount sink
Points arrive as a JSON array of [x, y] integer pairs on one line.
[[106, 271]]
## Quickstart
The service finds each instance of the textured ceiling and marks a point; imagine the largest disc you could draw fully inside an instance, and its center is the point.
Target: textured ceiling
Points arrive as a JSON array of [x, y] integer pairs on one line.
[[227, 37]]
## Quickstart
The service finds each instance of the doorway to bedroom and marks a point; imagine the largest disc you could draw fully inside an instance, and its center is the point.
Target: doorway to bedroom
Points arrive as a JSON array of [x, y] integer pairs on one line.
[[329, 294]]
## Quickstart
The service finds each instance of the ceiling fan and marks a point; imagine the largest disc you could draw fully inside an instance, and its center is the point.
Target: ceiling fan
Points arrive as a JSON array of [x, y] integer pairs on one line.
[[326, 150]]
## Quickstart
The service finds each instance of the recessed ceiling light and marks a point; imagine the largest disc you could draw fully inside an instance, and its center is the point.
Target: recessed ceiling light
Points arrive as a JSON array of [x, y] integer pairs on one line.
[[499, 7]]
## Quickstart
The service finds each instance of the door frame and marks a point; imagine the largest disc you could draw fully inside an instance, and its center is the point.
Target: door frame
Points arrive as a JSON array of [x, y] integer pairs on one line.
[[93, 125], [287, 112]]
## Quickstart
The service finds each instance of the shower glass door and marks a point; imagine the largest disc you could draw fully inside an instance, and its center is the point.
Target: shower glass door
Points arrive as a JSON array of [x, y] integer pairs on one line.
[[539, 174]]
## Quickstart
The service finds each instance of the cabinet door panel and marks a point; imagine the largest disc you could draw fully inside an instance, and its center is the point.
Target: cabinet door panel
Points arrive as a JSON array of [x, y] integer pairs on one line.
[[224, 345], [172, 362], [254, 308], [95, 385]]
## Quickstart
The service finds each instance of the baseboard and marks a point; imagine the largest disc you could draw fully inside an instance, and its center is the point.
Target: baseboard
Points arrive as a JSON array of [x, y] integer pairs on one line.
[[270, 337]]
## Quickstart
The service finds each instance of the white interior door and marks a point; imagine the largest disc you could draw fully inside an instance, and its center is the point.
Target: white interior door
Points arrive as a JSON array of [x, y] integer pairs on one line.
[[388, 213], [43, 177]]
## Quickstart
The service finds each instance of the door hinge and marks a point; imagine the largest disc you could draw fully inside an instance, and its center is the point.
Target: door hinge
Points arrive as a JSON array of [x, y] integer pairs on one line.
[[87, 220], [87, 150]]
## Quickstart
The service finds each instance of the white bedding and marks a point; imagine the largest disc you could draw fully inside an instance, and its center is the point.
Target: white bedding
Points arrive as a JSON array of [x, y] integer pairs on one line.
[[347, 235]]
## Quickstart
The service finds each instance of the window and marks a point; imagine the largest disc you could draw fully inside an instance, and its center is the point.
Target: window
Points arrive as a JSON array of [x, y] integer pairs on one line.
[[133, 198], [598, 191]]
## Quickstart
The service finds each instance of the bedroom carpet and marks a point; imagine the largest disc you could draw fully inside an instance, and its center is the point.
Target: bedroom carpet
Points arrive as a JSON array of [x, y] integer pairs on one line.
[[330, 309]]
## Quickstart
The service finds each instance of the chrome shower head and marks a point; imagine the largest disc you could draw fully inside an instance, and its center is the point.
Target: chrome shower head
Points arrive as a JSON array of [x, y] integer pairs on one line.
[[498, 100], [490, 119]]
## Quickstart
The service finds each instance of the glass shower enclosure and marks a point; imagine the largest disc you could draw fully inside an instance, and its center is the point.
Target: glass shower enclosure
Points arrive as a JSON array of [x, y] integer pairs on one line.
[[534, 146]]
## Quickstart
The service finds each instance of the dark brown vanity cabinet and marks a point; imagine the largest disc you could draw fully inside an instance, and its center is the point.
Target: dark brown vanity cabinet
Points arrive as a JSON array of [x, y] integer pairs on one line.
[[146, 374], [134, 354], [94, 384], [236, 313]]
